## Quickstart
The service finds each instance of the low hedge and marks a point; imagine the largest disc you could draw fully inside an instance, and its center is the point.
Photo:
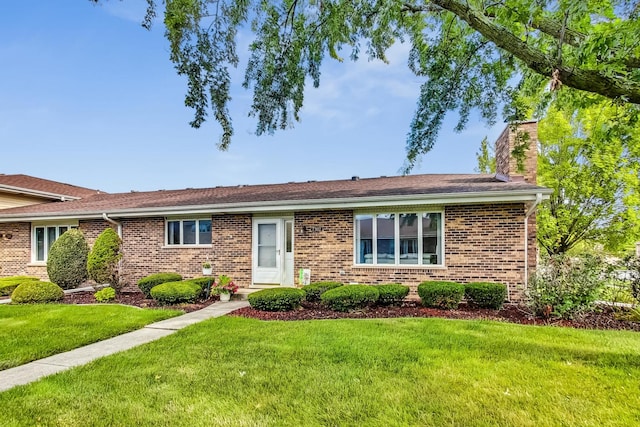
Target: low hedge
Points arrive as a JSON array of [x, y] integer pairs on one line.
[[350, 297], [392, 293], [169, 293], [314, 291], [277, 299], [35, 292], [485, 294], [147, 283], [441, 294], [8, 284]]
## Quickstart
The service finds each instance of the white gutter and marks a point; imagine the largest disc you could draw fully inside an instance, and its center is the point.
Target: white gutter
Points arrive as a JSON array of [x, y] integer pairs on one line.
[[116, 223], [296, 205], [526, 238]]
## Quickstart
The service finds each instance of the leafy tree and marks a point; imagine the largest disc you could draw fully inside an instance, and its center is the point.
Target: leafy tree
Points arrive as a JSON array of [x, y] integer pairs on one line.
[[67, 260], [102, 262], [486, 158], [472, 54], [592, 163], [591, 159]]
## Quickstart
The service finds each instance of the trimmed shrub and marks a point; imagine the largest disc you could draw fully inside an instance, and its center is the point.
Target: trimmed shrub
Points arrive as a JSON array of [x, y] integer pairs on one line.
[[105, 295], [67, 261], [202, 281], [37, 292], [350, 297], [277, 299], [8, 284], [102, 262], [441, 294], [147, 283], [392, 293], [314, 291], [485, 294], [176, 292]]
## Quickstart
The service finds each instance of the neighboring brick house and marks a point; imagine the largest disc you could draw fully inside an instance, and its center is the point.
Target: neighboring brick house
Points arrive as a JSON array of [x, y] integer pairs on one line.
[[406, 229]]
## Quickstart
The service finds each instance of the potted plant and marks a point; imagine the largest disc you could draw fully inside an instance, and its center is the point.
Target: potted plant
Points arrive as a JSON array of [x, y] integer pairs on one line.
[[225, 287], [206, 268]]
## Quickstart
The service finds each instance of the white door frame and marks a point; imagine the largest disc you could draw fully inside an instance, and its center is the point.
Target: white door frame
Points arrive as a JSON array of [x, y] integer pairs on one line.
[[280, 270]]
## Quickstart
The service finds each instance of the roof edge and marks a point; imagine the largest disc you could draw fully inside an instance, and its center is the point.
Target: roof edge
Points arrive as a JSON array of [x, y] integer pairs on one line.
[[43, 194], [299, 205]]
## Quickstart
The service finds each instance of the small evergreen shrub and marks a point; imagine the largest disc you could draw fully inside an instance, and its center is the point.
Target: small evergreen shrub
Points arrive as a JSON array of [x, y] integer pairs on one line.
[[350, 297], [147, 283], [201, 281], [314, 291], [105, 295], [485, 294], [277, 299], [67, 260], [102, 262], [176, 292], [392, 293], [35, 292], [8, 284], [441, 294]]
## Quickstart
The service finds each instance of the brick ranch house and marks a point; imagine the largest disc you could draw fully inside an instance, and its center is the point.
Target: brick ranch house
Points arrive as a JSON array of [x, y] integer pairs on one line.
[[403, 229]]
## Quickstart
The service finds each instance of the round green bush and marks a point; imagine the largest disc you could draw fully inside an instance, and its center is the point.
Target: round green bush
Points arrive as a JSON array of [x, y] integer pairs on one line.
[[392, 293], [105, 295], [441, 294], [314, 291], [37, 292], [147, 283], [350, 297], [176, 292], [485, 294], [277, 299], [102, 262], [8, 284], [67, 260]]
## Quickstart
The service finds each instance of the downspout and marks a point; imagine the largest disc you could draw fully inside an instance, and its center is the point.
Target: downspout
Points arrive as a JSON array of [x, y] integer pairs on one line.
[[116, 223], [526, 238]]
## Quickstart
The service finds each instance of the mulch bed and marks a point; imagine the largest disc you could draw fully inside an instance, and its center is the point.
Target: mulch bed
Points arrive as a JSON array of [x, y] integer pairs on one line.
[[604, 319], [136, 299]]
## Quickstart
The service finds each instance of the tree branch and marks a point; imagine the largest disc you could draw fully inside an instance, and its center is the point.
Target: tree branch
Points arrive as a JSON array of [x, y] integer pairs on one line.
[[577, 78]]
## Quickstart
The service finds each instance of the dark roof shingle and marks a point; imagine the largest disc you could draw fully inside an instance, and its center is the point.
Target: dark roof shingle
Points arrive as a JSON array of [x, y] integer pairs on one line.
[[27, 182]]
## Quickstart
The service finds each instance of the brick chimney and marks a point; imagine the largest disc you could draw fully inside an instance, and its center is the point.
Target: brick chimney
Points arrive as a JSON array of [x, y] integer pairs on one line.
[[521, 135]]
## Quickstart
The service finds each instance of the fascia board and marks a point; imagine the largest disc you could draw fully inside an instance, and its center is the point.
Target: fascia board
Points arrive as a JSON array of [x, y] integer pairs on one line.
[[299, 205], [29, 192]]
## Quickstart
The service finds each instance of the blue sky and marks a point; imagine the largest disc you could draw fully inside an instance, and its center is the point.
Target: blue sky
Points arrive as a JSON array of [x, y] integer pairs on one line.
[[88, 97]]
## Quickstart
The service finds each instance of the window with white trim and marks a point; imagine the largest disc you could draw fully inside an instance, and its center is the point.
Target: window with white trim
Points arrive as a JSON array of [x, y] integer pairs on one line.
[[398, 238], [188, 232], [43, 237]]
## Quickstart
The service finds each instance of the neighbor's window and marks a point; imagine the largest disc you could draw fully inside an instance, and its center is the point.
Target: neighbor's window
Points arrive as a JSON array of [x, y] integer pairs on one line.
[[413, 238], [189, 232], [43, 238]]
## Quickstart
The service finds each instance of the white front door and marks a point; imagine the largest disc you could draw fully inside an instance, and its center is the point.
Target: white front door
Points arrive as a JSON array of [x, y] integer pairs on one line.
[[273, 251]]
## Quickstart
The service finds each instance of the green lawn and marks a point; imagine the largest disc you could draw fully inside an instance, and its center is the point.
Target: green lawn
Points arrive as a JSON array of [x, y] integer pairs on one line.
[[30, 332], [391, 372]]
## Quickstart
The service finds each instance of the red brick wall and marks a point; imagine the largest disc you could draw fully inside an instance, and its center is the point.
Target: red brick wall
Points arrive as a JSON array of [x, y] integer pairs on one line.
[[482, 243], [506, 164]]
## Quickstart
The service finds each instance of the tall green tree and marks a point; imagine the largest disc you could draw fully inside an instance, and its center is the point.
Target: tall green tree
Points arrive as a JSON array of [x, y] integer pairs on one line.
[[472, 54], [590, 157]]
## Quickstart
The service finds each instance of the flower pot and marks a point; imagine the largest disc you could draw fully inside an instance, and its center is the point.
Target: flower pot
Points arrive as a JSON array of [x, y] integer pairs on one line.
[[207, 271], [225, 297]]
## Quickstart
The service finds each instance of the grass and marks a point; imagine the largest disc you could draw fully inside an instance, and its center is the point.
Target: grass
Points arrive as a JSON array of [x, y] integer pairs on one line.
[[31, 332], [385, 372]]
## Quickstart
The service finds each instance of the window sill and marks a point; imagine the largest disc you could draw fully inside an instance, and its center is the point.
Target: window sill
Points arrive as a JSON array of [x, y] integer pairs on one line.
[[37, 264], [186, 246], [402, 266]]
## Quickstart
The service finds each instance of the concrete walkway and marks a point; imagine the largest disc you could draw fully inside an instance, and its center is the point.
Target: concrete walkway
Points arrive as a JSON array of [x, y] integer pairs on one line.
[[33, 371]]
